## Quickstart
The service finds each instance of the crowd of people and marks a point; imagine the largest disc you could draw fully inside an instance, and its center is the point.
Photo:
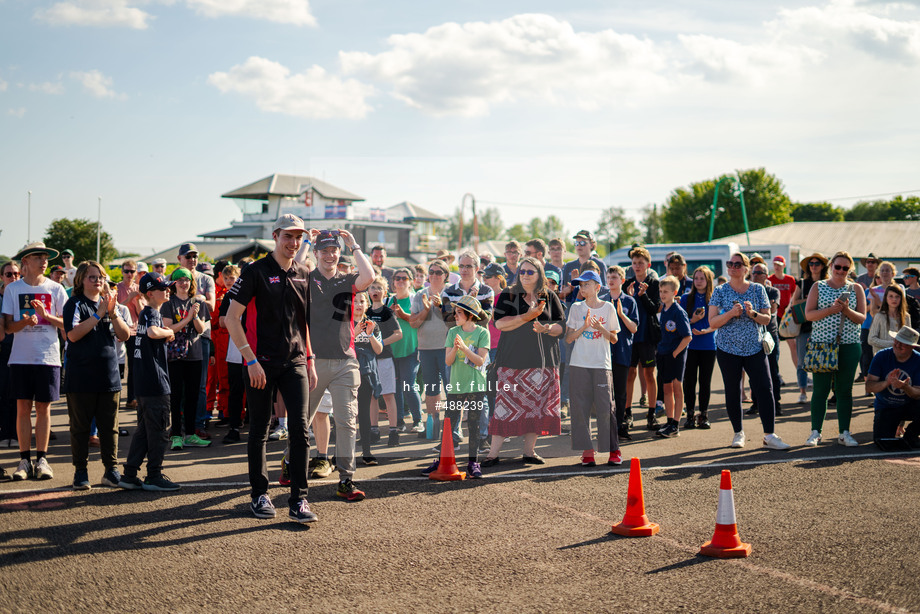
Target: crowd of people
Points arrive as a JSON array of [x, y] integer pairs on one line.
[[317, 338]]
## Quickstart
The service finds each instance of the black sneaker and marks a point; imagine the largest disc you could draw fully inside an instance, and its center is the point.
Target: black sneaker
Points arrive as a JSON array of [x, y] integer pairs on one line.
[[431, 468], [160, 483], [690, 422], [669, 430], [702, 422], [232, 436], [130, 482], [123, 432], [393, 439], [299, 512], [370, 461], [652, 422], [753, 411], [262, 507], [375, 435], [623, 433], [536, 459]]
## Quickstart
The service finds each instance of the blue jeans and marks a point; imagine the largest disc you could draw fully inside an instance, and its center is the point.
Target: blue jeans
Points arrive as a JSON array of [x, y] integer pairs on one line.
[[406, 394], [203, 414], [434, 370]]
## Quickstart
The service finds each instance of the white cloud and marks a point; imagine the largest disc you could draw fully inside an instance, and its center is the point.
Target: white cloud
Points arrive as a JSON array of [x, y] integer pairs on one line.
[[844, 24], [20, 112], [123, 13], [312, 94], [720, 60], [47, 88], [97, 84], [100, 13], [464, 68], [3, 85], [295, 12]]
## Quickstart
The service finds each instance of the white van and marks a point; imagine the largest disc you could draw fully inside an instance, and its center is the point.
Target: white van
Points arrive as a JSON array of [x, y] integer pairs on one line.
[[713, 255]]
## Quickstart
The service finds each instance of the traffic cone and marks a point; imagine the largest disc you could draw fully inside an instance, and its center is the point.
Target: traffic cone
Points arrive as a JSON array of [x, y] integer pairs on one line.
[[725, 542], [447, 466], [635, 523]]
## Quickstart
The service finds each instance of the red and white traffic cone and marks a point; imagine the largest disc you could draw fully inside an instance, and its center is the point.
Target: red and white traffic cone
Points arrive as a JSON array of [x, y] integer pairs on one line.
[[725, 542]]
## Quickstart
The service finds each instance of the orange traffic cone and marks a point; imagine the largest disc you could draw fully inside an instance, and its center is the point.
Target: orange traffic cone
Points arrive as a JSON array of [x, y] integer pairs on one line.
[[447, 466], [725, 542], [635, 522]]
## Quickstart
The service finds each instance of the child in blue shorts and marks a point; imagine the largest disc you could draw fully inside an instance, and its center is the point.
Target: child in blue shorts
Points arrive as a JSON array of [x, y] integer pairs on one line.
[[671, 356]]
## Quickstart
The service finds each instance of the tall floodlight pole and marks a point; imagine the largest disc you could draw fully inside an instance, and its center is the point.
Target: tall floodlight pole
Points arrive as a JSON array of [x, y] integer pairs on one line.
[[99, 230], [475, 221], [29, 224], [739, 192]]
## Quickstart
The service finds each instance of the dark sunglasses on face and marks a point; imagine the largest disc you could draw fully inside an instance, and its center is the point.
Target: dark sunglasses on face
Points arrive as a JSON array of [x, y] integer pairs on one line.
[[400, 279], [734, 265], [815, 263], [11, 274], [841, 267], [760, 272], [580, 243], [527, 272], [436, 272], [126, 271]]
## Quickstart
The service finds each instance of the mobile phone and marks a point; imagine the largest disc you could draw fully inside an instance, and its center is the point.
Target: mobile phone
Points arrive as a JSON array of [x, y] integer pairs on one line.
[[845, 296]]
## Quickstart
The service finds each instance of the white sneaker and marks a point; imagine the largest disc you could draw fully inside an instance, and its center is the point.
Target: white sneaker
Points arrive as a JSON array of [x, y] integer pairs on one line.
[[847, 440], [775, 442], [43, 469], [418, 428], [24, 471], [813, 439], [279, 434], [803, 398], [738, 440]]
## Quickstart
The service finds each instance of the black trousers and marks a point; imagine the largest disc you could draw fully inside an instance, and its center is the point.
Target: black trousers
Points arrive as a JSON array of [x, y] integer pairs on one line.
[[620, 377], [292, 383], [758, 372], [773, 363], [184, 381], [700, 365], [365, 401]]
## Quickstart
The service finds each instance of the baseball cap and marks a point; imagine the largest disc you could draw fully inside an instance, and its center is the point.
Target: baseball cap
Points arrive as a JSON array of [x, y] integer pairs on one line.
[[56, 268], [325, 239], [553, 275], [289, 221], [206, 268], [67, 252], [142, 267], [158, 261], [780, 260], [493, 269], [154, 281], [588, 275], [584, 234], [188, 248]]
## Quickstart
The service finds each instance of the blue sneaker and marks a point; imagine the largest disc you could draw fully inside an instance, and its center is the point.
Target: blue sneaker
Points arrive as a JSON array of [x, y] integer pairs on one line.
[[81, 480], [262, 507], [474, 470], [130, 482], [301, 512], [432, 468], [111, 477], [160, 483]]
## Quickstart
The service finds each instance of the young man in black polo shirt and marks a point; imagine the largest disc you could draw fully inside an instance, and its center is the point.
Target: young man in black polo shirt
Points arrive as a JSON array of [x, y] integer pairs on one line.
[[337, 369], [644, 289], [284, 361]]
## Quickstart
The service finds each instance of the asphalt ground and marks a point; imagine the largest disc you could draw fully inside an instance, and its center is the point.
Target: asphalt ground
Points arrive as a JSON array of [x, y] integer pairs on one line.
[[833, 529]]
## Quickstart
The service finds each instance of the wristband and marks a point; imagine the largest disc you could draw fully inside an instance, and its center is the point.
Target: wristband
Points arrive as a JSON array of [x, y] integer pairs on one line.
[[96, 315], [311, 357], [252, 362], [355, 248], [243, 348]]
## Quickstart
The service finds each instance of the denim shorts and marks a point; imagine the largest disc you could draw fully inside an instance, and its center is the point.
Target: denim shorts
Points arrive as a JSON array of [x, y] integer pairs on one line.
[[434, 370]]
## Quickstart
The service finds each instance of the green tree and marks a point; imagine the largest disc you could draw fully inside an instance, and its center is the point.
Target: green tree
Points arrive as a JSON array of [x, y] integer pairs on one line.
[[653, 223], [816, 212], [686, 215], [897, 209], [79, 236], [489, 221], [545, 229], [518, 232], [615, 230]]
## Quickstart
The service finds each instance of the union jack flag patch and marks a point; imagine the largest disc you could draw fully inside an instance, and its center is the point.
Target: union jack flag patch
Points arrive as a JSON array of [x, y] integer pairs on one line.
[[274, 280]]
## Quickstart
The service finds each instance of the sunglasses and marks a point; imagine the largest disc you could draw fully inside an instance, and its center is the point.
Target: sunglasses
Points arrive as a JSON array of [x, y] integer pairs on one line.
[[96, 277], [437, 272], [126, 271], [400, 279], [841, 267], [815, 263], [11, 274], [580, 243], [467, 266], [760, 272], [527, 272], [734, 265]]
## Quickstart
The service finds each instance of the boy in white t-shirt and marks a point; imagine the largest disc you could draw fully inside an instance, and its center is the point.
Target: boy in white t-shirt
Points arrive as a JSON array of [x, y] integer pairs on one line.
[[592, 326], [32, 309]]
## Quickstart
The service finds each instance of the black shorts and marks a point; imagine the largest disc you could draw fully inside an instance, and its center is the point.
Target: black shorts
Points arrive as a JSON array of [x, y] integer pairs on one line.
[[39, 383], [643, 354], [670, 368]]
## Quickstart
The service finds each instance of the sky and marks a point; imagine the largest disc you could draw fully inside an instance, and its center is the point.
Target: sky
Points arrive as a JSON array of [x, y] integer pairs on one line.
[[536, 108]]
